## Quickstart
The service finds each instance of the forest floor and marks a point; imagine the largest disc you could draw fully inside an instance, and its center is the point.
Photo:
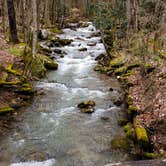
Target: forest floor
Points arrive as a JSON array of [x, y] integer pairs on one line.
[[14, 91]]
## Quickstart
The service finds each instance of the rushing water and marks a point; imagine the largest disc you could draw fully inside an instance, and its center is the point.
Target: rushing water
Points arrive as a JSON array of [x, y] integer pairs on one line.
[[52, 131]]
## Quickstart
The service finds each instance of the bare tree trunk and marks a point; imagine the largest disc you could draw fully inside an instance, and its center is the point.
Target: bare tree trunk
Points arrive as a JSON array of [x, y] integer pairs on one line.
[[35, 26], [12, 21]]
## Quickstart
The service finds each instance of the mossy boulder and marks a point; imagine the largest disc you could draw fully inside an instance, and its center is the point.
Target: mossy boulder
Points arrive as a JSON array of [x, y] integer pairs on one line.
[[121, 70], [152, 155], [129, 100], [4, 108], [10, 69], [141, 133], [48, 63], [87, 106], [40, 64], [117, 62], [58, 42], [26, 88], [129, 130], [133, 110], [83, 49], [120, 143]]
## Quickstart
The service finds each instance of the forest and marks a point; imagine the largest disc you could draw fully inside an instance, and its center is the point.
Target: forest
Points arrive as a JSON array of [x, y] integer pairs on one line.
[[82, 82]]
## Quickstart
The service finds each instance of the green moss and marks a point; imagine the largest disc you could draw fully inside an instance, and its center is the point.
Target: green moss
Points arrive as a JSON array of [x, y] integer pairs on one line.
[[120, 143], [128, 129], [56, 30], [129, 100], [12, 71], [131, 66], [12, 83], [133, 110], [148, 155], [141, 134], [6, 109], [47, 62], [36, 67], [103, 69], [149, 68], [121, 70], [19, 49], [117, 62]]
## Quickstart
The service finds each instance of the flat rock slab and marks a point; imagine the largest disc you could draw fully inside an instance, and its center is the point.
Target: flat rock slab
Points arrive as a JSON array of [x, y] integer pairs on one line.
[[141, 163]]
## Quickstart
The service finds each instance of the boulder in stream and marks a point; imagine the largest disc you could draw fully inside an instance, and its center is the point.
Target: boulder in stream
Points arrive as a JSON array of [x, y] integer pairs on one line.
[[87, 106], [83, 49]]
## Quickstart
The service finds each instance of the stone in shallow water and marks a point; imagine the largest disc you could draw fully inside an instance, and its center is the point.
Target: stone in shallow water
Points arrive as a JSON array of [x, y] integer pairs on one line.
[[87, 106]]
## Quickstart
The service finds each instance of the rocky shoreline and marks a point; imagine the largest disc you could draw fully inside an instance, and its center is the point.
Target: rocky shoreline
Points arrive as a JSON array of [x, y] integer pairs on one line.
[[144, 120]]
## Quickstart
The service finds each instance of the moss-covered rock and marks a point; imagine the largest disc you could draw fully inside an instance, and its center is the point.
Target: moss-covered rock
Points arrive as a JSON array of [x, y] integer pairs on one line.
[[103, 69], [58, 42], [39, 65], [129, 100], [129, 130], [9, 69], [141, 134], [48, 63], [26, 88], [117, 62], [120, 143], [83, 49], [5, 109], [133, 110], [121, 70], [149, 155], [56, 30], [87, 106]]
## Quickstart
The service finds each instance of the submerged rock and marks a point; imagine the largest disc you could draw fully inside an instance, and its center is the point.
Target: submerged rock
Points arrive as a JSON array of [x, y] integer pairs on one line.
[[83, 49], [87, 106], [120, 143]]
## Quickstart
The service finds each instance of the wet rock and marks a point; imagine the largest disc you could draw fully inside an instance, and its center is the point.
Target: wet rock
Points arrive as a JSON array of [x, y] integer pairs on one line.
[[101, 56], [58, 42], [83, 49], [57, 51], [118, 99], [120, 143], [87, 106], [43, 34], [92, 44], [105, 118]]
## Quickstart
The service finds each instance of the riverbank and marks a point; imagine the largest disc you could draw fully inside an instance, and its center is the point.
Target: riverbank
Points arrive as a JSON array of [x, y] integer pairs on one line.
[[143, 80]]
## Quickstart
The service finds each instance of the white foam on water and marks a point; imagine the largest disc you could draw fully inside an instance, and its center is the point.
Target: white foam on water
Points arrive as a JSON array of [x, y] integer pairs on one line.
[[47, 85], [50, 162]]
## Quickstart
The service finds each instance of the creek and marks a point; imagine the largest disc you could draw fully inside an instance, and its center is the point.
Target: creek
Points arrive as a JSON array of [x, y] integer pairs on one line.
[[53, 131]]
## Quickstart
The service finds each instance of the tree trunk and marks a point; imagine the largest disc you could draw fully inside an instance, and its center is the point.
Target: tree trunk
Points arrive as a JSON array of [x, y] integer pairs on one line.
[[35, 27], [12, 21]]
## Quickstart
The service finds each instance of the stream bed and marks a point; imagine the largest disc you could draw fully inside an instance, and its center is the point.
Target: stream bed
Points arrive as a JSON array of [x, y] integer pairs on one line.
[[53, 131]]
